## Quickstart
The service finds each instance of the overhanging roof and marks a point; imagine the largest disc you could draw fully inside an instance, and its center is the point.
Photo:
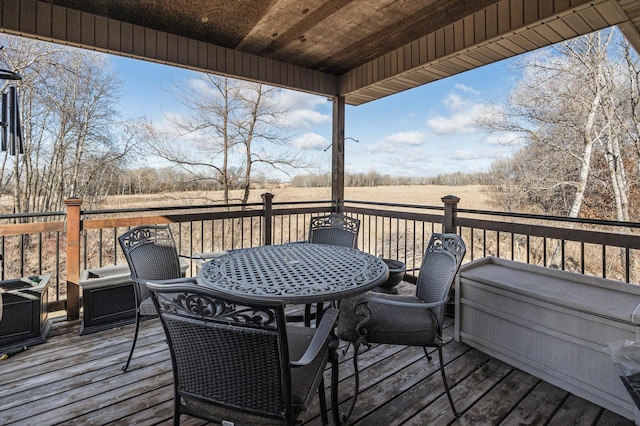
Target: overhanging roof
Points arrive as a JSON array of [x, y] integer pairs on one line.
[[360, 49]]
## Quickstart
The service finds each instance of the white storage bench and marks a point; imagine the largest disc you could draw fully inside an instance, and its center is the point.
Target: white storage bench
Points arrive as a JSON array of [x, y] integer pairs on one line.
[[552, 324]]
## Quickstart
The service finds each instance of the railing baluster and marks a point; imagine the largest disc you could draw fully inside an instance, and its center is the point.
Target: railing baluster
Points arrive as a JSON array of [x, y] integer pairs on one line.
[[40, 253], [484, 243], [627, 268], [512, 246], [3, 258]]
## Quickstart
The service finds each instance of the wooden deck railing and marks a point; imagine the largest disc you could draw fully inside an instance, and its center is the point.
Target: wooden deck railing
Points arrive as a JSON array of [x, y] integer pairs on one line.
[[42, 243]]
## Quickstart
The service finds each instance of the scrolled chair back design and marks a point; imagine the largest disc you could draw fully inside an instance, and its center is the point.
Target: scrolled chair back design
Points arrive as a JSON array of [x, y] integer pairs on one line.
[[444, 243], [145, 234], [200, 306], [335, 229], [335, 222]]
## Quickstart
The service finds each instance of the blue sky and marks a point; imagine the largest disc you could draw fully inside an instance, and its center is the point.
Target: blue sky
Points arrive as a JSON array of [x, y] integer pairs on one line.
[[424, 131]]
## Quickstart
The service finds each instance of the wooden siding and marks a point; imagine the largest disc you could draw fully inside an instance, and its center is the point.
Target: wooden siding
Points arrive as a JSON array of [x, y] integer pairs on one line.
[[62, 25], [504, 30]]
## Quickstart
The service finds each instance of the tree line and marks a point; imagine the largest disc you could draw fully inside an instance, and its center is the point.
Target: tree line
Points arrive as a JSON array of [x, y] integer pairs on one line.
[[376, 179]]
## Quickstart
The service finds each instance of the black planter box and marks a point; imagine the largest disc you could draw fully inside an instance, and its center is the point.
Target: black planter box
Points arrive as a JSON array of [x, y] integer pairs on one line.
[[24, 311], [108, 298]]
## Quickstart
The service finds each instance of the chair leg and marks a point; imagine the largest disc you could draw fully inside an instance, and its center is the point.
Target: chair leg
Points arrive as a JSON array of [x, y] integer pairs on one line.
[[426, 353], [323, 403], [307, 315], [356, 348], [335, 407], [133, 345], [446, 385]]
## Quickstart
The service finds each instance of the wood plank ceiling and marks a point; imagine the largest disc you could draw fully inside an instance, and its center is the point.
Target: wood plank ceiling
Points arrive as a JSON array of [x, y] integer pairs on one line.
[[360, 49]]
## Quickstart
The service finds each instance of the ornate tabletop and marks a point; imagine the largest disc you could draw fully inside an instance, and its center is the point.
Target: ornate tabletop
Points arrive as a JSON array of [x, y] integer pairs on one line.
[[294, 273]]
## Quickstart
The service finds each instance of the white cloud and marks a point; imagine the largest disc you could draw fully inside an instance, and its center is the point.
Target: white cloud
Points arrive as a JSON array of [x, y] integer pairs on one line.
[[405, 138], [292, 98], [465, 88], [463, 112], [460, 122], [395, 142], [454, 102], [305, 118], [467, 155], [311, 141], [302, 108]]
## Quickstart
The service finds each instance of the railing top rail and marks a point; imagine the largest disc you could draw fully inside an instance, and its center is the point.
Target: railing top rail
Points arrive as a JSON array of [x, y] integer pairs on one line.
[[156, 209], [28, 215], [288, 203], [506, 214], [553, 218], [381, 203]]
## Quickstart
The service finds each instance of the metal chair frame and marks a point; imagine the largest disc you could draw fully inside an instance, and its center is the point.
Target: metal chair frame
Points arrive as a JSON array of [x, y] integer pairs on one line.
[[231, 356], [151, 254], [433, 301], [334, 229]]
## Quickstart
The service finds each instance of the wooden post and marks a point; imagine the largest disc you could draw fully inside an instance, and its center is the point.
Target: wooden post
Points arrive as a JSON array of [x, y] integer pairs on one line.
[[74, 226], [267, 202], [450, 213], [337, 151]]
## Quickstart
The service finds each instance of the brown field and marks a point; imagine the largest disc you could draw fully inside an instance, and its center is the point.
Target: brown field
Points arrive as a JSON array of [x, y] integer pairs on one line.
[[471, 196]]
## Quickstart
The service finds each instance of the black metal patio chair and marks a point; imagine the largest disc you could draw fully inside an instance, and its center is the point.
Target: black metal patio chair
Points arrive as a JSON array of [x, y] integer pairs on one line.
[[335, 229], [414, 320], [151, 254], [235, 360]]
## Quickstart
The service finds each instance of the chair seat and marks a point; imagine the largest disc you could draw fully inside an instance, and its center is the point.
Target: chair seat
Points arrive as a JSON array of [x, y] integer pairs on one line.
[[147, 308], [395, 325]]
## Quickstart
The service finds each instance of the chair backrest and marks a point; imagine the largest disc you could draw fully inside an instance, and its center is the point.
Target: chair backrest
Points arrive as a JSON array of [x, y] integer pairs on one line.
[[440, 265], [230, 354], [334, 229], [151, 253]]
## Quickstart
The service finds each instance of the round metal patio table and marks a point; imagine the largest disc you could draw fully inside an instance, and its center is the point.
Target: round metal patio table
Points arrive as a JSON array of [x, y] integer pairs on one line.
[[295, 273]]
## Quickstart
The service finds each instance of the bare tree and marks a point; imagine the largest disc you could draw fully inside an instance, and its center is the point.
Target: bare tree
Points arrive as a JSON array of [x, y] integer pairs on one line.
[[576, 108], [72, 137], [228, 129], [573, 112]]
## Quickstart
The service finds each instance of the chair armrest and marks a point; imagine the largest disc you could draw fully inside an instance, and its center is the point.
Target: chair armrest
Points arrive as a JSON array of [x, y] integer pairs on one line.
[[184, 280], [406, 304], [323, 331], [205, 256]]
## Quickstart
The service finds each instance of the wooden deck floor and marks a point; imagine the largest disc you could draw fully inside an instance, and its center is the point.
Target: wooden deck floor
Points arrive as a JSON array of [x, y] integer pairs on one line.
[[77, 380]]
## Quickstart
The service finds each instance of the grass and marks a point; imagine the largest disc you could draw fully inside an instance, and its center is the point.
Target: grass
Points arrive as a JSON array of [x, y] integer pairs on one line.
[[471, 196]]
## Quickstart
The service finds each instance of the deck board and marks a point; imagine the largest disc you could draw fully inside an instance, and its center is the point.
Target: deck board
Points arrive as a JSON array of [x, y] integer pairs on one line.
[[77, 380]]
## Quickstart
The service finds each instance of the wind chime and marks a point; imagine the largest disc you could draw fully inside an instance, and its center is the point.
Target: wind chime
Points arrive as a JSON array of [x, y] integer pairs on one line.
[[11, 128]]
